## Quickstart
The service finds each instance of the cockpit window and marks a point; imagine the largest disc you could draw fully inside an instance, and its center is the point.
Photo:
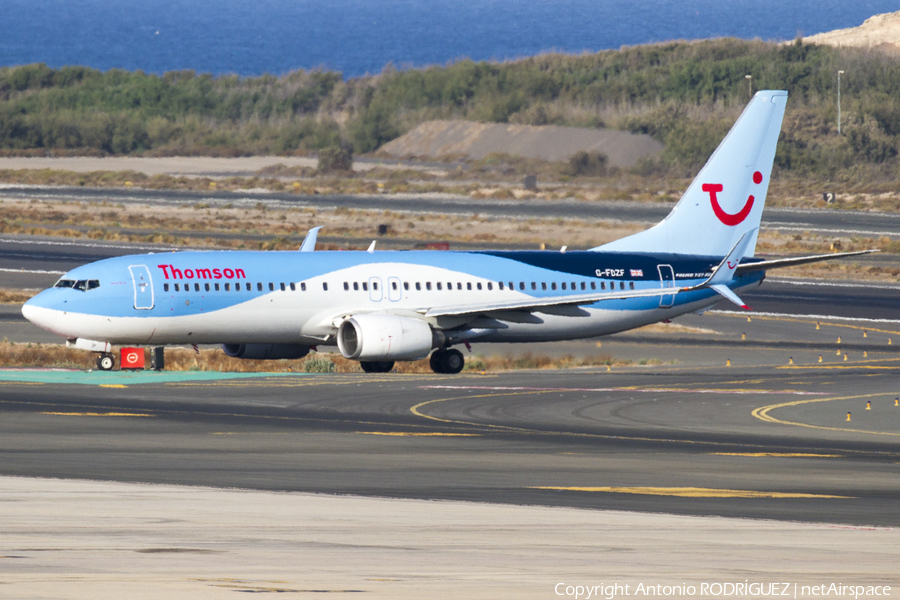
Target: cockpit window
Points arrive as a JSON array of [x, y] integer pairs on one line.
[[82, 285]]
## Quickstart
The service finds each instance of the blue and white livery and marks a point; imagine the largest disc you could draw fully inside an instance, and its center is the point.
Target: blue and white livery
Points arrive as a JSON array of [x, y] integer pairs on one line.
[[380, 307]]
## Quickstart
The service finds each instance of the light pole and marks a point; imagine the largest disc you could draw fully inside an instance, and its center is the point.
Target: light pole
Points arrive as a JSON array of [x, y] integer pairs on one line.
[[749, 79], [839, 101]]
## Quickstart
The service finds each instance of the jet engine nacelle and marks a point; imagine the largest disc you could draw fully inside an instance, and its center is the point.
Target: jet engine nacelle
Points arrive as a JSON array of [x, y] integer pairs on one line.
[[386, 337], [265, 351]]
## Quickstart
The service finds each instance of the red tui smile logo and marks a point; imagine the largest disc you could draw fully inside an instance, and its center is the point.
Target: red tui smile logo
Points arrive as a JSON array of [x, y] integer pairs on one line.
[[727, 218]]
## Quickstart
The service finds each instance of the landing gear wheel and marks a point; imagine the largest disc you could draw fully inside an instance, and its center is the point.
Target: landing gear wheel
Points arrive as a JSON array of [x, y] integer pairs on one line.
[[452, 361], [447, 361], [378, 366], [105, 362]]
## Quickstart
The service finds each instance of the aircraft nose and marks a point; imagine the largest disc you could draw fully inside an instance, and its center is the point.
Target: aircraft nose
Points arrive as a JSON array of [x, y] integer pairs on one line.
[[37, 311]]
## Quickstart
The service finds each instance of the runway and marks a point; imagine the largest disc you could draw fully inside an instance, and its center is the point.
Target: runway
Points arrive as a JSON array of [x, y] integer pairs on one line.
[[759, 441]]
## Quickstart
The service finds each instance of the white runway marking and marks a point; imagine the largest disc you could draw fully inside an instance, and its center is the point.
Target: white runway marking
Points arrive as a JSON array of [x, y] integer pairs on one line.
[[38, 271]]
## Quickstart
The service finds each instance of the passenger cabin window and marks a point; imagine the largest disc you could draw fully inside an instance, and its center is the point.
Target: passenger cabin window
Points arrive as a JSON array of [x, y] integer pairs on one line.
[[593, 285], [543, 285], [324, 286], [227, 287], [283, 287], [347, 286], [631, 285], [177, 288], [196, 287], [365, 286], [490, 285], [206, 286], [469, 285], [293, 287], [500, 285], [478, 285], [418, 286], [165, 287], [303, 286], [439, 286], [258, 286], [406, 285], [428, 285], [271, 287], [216, 286]]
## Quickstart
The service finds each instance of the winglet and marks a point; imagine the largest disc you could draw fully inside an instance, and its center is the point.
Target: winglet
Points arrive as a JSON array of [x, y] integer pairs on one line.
[[371, 247], [724, 273], [309, 242]]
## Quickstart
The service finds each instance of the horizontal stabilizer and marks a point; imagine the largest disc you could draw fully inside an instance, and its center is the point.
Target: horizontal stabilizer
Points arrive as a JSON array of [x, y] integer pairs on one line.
[[726, 292], [780, 263]]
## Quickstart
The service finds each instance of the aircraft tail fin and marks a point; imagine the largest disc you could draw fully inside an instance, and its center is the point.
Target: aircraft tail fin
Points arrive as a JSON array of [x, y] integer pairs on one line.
[[726, 199]]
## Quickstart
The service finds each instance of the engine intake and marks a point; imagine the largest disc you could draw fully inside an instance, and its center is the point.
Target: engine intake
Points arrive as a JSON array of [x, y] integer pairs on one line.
[[386, 337], [265, 351]]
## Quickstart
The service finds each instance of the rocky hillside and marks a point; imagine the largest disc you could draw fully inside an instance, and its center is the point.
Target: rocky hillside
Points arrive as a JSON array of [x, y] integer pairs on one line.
[[550, 142], [881, 32]]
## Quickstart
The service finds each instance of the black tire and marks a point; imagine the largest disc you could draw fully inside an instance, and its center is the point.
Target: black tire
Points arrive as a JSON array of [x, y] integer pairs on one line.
[[105, 362], [435, 361], [452, 361]]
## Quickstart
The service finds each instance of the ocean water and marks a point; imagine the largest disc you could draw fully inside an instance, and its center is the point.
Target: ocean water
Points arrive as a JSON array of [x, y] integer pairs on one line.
[[252, 37]]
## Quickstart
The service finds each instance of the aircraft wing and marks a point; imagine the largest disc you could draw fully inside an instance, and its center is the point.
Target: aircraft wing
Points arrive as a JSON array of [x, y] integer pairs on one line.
[[780, 263], [536, 304]]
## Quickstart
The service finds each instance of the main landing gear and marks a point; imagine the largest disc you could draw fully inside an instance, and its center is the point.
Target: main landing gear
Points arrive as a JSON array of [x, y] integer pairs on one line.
[[106, 361], [447, 360], [378, 366]]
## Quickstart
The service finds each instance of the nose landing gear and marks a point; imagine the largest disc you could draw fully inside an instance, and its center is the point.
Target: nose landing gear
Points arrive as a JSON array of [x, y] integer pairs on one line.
[[447, 360], [106, 361]]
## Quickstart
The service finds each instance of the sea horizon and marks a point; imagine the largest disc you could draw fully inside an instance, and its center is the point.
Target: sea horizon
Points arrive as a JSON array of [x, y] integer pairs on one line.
[[358, 37]]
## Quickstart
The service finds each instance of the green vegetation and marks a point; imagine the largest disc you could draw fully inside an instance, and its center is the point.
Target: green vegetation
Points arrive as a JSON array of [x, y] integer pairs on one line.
[[684, 94]]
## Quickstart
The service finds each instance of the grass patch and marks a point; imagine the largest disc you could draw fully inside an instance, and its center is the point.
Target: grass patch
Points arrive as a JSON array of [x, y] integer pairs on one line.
[[185, 359]]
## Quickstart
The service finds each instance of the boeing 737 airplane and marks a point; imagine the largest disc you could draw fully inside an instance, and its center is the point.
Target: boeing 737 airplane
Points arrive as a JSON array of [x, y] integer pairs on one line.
[[380, 307]]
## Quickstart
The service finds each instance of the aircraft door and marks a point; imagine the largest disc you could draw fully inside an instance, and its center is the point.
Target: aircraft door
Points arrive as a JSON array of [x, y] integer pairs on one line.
[[395, 289], [667, 280], [143, 287], [375, 291]]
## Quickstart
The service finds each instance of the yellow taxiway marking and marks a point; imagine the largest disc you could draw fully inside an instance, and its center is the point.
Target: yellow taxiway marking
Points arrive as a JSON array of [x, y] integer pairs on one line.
[[113, 385], [419, 433], [763, 414], [687, 492], [777, 454], [97, 414]]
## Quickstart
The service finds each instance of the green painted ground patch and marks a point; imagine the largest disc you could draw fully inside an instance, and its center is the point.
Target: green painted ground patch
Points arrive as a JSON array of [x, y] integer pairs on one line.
[[116, 378]]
